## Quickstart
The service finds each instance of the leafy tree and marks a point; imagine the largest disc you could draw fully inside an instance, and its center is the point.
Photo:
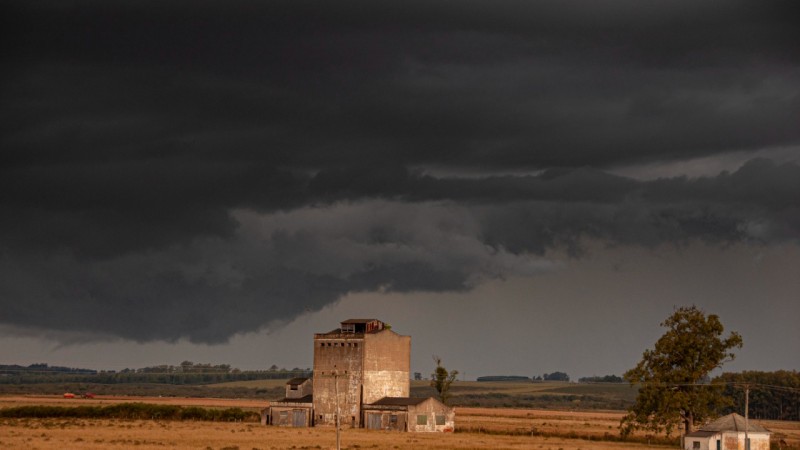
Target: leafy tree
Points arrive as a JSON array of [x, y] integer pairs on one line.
[[441, 379], [674, 375], [556, 376]]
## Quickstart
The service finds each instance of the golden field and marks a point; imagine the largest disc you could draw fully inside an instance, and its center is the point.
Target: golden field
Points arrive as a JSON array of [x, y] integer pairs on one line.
[[477, 428]]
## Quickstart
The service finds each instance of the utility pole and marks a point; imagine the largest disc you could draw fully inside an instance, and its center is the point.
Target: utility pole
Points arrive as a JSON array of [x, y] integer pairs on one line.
[[746, 416], [336, 387]]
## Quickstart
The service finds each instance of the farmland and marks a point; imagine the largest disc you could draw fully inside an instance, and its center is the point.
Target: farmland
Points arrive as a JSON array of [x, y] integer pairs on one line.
[[549, 395], [476, 427], [57, 434]]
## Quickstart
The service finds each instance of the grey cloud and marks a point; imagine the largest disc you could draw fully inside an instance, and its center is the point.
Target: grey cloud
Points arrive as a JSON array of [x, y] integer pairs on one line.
[[505, 84], [274, 268], [274, 265], [196, 170]]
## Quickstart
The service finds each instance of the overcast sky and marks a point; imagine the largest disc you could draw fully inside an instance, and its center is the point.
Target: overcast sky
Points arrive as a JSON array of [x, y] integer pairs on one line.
[[523, 187]]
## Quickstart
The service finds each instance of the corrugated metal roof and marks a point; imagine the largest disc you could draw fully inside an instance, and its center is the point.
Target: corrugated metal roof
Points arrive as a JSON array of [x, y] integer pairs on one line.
[[399, 401], [732, 422], [296, 381], [305, 399], [358, 321]]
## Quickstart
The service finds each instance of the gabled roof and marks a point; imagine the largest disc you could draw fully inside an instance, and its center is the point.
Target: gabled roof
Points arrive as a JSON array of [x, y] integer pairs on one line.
[[733, 422], [399, 401], [296, 381]]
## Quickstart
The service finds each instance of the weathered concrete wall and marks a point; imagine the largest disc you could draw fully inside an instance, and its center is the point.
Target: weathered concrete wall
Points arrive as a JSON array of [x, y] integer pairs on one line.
[[301, 390], [689, 443], [338, 359], [385, 420], [438, 417], [387, 365], [366, 367], [290, 416], [735, 441], [730, 440]]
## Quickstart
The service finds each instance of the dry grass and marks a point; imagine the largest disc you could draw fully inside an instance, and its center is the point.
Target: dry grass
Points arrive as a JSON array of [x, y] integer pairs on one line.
[[478, 428], [595, 424], [102, 434], [781, 429]]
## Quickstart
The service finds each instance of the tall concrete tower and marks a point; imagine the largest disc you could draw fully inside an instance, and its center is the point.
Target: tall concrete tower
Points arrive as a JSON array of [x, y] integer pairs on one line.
[[363, 361]]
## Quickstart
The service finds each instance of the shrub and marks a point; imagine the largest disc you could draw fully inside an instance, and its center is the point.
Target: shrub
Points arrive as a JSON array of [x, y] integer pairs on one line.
[[131, 411]]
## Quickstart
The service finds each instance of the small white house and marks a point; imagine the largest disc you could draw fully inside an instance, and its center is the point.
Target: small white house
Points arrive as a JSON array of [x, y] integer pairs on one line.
[[728, 433]]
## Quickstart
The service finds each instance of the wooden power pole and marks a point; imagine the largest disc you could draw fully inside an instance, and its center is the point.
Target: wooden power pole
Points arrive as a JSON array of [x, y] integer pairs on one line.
[[746, 416], [336, 387]]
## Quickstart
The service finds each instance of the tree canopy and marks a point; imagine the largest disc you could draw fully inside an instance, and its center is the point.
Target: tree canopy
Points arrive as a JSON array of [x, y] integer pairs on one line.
[[674, 376], [773, 395], [556, 376], [441, 379]]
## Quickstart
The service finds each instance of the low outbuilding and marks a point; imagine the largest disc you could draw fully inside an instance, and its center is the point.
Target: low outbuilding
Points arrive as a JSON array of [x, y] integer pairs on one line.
[[728, 433], [409, 414], [296, 409]]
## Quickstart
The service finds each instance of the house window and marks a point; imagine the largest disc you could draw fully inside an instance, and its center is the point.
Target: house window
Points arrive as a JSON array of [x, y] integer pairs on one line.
[[696, 444], [440, 419], [422, 419]]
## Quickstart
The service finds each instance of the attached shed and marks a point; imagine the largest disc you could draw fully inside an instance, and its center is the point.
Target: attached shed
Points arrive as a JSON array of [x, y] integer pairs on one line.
[[728, 433], [292, 412], [409, 414], [299, 387], [296, 409]]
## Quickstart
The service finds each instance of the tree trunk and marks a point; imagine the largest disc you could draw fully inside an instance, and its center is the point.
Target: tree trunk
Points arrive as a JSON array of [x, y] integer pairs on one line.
[[688, 423]]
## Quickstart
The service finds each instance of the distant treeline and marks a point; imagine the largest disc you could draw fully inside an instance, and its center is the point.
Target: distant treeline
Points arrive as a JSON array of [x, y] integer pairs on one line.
[[773, 395], [555, 376], [604, 379], [185, 373], [504, 378], [131, 411]]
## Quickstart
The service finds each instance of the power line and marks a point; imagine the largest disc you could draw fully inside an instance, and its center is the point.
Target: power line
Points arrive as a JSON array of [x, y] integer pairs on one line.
[[723, 383]]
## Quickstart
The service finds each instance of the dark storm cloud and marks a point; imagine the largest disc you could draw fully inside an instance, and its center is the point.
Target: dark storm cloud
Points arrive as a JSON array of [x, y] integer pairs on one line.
[[475, 83], [195, 170]]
